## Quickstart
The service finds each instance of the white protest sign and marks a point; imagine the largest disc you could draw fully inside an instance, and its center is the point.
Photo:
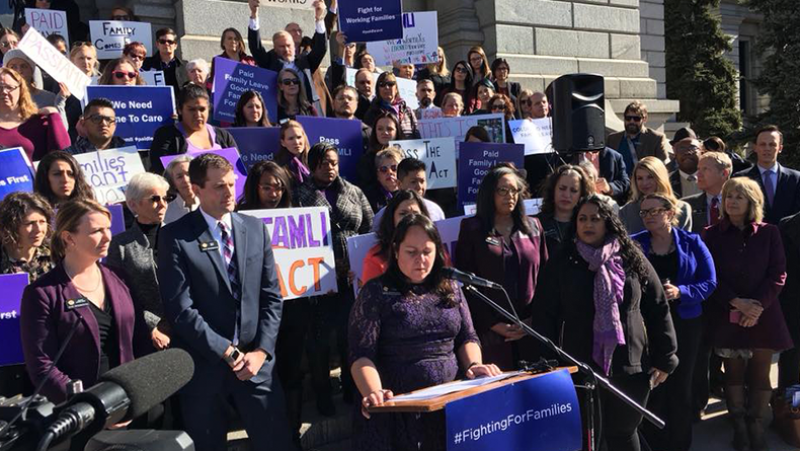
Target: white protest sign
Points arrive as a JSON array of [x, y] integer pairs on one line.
[[357, 249], [536, 134], [153, 77], [50, 60], [108, 172], [48, 21], [111, 36], [419, 45], [439, 155], [303, 247], [292, 4], [406, 88], [456, 127], [532, 207]]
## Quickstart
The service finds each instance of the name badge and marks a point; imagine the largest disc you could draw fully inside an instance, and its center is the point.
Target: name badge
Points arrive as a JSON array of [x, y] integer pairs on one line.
[[72, 304], [493, 241], [207, 246]]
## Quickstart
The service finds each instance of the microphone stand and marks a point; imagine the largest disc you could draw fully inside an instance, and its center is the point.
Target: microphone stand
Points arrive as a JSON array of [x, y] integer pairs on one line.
[[596, 379]]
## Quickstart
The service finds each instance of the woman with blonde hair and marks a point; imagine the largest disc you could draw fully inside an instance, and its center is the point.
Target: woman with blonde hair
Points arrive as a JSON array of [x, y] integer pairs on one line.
[[22, 125], [293, 153], [479, 64], [747, 325], [650, 176]]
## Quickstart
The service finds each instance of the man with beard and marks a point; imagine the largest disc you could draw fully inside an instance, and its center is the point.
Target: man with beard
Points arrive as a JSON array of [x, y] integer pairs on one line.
[[637, 141], [425, 95], [687, 150], [345, 104]]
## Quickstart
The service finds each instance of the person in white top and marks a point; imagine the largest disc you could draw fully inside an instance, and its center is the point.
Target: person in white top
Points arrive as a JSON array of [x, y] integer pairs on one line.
[[177, 174]]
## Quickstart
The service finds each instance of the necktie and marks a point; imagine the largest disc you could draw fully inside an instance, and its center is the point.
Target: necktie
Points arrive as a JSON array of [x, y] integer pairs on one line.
[[230, 262], [713, 212], [769, 186], [692, 178]]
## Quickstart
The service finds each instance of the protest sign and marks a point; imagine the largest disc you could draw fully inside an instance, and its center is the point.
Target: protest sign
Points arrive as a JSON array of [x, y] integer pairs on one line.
[[256, 143], [532, 207], [117, 218], [292, 4], [153, 77], [345, 134], [419, 44], [111, 36], [141, 110], [303, 247], [439, 155], [230, 154], [406, 88], [358, 247], [457, 127], [50, 60], [108, 172], [368, 20], [232, 79], [11, 288], [475, 160], [48, 21], [16, 173], [535, 134]]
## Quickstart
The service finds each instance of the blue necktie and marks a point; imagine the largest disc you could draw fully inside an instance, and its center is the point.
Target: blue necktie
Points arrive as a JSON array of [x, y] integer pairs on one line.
[[769, 186]]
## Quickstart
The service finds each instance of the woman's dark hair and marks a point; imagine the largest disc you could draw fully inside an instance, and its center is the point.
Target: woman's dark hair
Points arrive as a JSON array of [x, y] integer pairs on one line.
[[250, 199], [394, 278], [497, 62], [548, 197], [13, 209], [56, 38], [374, 145], [361, 53], [478, 132], [317, 153], [386, 227], [240, 121], [715, 144], [238, 37], [467, 81], [487, 72], [283, 156], [41, 183], [486, 191], [189, 93], [632, 258]]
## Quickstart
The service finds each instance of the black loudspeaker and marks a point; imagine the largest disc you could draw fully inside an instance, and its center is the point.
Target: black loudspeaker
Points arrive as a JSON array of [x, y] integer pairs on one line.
[[579, 117]]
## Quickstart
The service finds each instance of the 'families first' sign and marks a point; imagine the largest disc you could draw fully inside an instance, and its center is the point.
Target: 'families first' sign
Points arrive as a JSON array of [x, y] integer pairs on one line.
[[368, 20], [11, 288], [111, 36], [109, 171], [16, 173], [141, 110], [48, 21], [419, 45], [232, 79], [50, 60], [475, 160], [438, 154], [303, 249]]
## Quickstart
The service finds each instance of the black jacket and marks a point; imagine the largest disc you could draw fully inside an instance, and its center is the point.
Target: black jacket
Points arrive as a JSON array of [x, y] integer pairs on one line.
[[168, 140], [787, 193], [612, 168], [790, 234], [563, 311]]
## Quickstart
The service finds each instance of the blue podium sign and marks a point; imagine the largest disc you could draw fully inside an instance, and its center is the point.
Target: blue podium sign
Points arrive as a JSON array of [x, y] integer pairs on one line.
[[539, 414]]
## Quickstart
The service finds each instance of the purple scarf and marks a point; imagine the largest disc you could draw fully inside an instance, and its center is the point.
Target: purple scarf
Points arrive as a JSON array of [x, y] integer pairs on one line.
[[609, 282], [299, 171]]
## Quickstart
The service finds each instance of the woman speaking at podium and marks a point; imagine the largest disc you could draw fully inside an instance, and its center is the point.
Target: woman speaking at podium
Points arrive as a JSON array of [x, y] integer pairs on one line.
[[602, 302], [409, 328]]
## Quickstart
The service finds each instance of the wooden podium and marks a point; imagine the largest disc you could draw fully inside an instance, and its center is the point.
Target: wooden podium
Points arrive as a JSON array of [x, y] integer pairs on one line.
[[525, 412]]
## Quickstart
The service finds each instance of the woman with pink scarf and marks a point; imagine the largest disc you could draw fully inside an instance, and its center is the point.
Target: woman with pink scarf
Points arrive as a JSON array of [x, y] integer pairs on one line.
[[601, 301]]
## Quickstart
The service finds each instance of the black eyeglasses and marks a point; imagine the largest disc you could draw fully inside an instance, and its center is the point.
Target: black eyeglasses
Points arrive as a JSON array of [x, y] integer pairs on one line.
[[505, 191], [290, 81], [499, 106], [166, 42], [99, 118], [387, 84], [633, 118]]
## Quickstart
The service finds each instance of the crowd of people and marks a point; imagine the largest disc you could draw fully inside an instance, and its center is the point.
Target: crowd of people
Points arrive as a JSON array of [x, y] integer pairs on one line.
[[657, 262]]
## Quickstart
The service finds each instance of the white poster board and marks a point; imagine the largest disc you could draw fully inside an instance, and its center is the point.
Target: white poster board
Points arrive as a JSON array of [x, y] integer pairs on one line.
[[153, 77], [50, 60], [439, 155], [457, 127], [48, 21], [419, 45], [111, 36], [291, 4], [535, 134], [109, 171]]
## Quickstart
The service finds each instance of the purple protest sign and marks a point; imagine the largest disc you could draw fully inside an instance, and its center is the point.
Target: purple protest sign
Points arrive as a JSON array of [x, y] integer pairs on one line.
[[345, 134], [475, 160], [117, 218], [230, 154], [256, 143], [232, 79], [11, 288]]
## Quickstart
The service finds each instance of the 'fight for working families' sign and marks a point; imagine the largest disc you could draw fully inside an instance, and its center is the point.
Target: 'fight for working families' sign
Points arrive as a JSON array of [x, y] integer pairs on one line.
[[109, 171], [303, 249], [368, 20]]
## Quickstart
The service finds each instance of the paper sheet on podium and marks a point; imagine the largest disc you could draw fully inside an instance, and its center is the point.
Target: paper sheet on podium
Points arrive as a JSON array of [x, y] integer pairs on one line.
[[440, 390]]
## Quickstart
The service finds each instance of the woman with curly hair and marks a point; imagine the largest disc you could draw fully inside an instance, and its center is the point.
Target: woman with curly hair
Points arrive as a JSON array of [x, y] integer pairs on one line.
[[563, 190], [602, 301]]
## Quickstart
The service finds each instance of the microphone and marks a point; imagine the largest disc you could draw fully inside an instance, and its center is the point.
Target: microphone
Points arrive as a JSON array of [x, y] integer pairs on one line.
[[469, 278], [122, 394]]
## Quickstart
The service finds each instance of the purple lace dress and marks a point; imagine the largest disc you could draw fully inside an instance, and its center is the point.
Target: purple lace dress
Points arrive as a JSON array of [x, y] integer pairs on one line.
[[412, 339]]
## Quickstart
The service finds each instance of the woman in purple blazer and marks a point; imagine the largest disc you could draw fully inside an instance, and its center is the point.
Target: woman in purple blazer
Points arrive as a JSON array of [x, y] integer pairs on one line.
[[747, 324], [81, 294], [502, 244]]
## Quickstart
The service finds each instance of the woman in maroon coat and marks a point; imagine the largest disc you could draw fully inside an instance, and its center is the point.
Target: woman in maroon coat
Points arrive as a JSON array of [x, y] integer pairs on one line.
[[747, 325], [502, 244], [81, 294]]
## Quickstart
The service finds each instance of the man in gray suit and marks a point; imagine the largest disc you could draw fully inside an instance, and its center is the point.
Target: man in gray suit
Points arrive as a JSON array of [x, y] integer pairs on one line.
[[217, 277], [637, 141]]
